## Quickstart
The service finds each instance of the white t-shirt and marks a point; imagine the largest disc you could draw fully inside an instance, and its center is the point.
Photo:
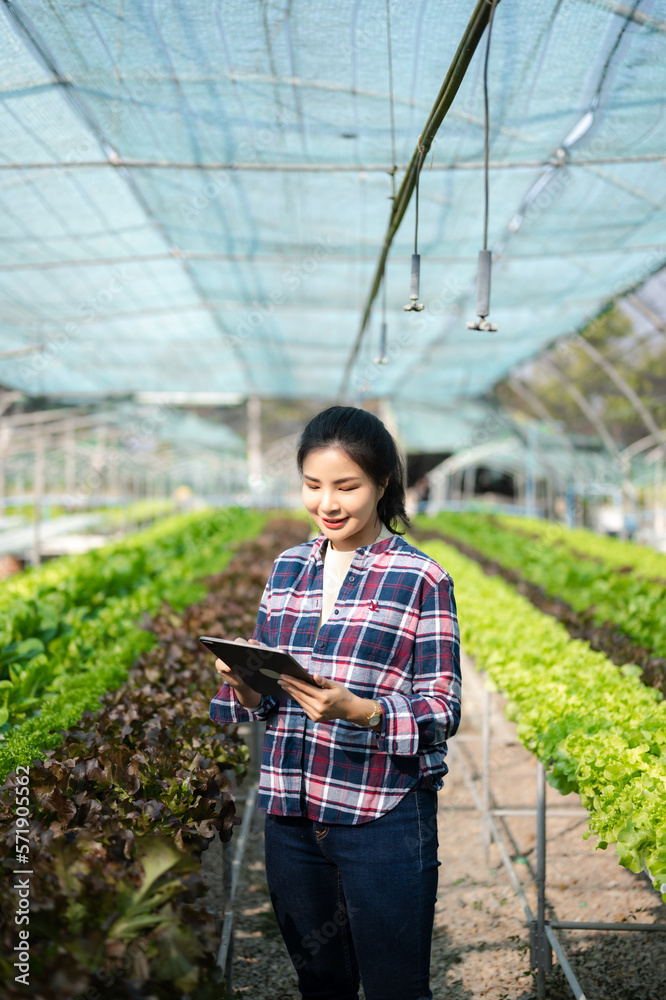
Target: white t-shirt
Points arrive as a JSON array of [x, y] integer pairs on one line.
[[336, 566]]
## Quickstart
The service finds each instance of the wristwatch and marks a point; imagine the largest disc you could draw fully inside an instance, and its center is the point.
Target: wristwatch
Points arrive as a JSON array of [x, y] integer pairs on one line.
[[375, 716]]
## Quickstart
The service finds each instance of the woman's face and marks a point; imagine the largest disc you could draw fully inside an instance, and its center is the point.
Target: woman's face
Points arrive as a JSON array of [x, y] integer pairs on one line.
[[340, 498]]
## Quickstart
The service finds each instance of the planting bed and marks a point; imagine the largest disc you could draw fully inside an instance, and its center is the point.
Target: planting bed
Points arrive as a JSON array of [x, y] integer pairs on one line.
[[122, 810], [68, 629], [596, 727], [604, 636], [480, 948]]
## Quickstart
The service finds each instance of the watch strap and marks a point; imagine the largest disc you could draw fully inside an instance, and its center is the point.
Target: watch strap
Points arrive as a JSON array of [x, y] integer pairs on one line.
[[374, 716]]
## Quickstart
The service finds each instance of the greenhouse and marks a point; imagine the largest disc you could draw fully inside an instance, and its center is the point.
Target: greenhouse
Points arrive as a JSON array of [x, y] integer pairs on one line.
[[252, 249]]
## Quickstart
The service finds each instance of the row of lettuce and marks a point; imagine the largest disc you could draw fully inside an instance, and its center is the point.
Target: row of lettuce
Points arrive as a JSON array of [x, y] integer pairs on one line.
[[598, 730], [70, 629], [610, 579], [127, 780], [113, 823], [616, 553]]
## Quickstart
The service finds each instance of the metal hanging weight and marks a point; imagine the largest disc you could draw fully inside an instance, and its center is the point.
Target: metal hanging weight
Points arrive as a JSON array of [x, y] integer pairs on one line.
[[483, 293]]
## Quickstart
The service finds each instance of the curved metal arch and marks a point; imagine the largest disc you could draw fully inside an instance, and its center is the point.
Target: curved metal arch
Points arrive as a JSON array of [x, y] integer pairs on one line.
[[645, 310], [643, 444], [583, 404], [532, 400], [623, 386]]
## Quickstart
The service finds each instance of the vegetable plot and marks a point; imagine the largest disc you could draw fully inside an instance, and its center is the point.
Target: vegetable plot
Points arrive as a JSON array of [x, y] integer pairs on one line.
[[598, 730], [635, 604], [121, 812], [69, 628], [622, 555]]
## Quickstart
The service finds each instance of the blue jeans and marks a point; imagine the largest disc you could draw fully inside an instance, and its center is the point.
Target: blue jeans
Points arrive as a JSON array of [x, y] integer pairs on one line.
[[358, 902]]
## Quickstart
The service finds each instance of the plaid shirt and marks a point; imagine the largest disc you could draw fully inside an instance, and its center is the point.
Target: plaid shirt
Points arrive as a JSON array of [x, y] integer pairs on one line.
[[393, 635]]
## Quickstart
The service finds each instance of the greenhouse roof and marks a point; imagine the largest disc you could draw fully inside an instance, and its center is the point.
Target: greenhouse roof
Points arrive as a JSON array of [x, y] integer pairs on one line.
[[193, 196]]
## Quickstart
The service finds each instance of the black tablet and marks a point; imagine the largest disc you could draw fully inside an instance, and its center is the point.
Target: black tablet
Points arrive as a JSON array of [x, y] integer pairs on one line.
[[259, 666]]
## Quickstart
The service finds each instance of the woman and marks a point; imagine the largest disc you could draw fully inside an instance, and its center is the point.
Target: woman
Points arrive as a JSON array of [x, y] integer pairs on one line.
[[351, 768]]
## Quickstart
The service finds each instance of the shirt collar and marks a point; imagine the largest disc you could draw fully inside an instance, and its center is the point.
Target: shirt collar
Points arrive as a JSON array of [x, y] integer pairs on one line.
[[363, 554]]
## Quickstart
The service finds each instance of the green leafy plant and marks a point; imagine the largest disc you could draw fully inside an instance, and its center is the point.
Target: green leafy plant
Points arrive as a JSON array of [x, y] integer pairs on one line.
[[122, 809], [635, 604], [70, 662], [598, 730], [618, 553]]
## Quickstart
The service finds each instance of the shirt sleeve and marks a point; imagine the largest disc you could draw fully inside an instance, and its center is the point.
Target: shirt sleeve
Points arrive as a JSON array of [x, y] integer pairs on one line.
[[225, 707], [431, 714]]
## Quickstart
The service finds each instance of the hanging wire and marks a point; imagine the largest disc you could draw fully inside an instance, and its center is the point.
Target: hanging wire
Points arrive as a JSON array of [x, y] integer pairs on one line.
[[414, 305], [416, 196], [485, 255], [390, 69], [486, 129], [364, 386]]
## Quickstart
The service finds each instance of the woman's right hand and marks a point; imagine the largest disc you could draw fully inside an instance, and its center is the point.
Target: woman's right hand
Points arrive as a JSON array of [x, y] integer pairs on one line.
[[247, 696]]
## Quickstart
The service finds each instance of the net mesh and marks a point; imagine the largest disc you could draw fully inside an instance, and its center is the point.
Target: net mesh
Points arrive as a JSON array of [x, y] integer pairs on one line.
[[237, 255]]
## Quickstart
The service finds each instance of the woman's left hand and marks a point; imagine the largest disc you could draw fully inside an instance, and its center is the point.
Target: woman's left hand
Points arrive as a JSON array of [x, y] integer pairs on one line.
[[329, 700]]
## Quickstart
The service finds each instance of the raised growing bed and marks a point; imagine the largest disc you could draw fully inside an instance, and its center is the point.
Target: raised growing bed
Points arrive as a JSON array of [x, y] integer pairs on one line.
[[620, 614], [622, 555], [598, 730], [70, 628], [122, 810]]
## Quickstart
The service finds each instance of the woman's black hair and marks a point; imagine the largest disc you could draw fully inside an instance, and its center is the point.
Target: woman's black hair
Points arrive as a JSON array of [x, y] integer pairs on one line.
[[367, 442]]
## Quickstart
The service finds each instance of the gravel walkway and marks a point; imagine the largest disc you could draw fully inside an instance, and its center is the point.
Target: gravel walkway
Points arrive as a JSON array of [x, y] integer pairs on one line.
[[481, 942]]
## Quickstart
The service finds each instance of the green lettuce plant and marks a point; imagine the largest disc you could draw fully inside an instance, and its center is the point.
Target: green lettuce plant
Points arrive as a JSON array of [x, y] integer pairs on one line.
[[598, 730], [635, 604], [68, 662]]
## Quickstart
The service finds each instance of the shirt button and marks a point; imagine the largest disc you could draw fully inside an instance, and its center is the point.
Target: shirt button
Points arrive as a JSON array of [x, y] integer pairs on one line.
[[336, 612], [351, 577]]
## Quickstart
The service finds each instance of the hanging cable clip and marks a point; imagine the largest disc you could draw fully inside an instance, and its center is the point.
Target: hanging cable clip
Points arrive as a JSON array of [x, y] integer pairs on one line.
[[415, 305], [483, 294]]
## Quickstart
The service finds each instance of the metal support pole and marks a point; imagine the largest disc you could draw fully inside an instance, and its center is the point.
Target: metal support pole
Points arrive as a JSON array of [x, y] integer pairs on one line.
[[567, 811], [228, 923], [564, 963], [231, 876], [254, 456], [38, 490], [70, 461], [485, 776], [592, 925], [543, 949], [470, 482], [114, 484], [530, 471], [658, 522]]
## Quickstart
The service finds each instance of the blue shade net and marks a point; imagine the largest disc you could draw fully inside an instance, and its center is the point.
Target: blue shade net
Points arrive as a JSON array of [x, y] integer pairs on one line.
[[193, 195]]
